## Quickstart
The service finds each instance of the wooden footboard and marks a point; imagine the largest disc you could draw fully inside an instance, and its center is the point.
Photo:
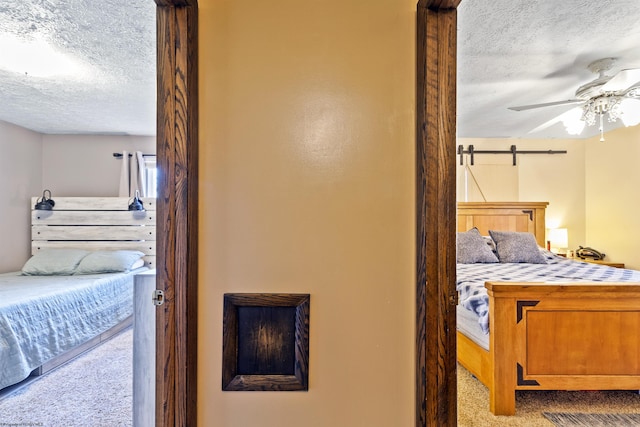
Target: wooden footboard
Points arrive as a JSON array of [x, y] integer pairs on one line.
[[566, 336]]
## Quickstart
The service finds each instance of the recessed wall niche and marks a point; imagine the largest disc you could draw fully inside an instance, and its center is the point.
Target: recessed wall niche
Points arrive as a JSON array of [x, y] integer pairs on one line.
[[265, 342]]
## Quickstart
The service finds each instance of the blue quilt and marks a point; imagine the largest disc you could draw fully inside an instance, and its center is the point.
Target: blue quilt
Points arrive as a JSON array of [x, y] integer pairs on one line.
[[44, 316], [472, 277]]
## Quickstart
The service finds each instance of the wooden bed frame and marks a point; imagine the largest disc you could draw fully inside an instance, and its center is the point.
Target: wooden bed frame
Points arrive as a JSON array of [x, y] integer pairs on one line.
[[93, 223], [569, 336]]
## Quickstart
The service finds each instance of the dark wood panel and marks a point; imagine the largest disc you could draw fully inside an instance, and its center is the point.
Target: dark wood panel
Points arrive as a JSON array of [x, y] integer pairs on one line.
[[265, 342]]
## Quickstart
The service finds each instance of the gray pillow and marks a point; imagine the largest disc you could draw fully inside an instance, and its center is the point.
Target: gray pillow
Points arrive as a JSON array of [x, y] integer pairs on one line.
[[516, 246], [53, 262], [489, 241], [98, 262], [472, 247]]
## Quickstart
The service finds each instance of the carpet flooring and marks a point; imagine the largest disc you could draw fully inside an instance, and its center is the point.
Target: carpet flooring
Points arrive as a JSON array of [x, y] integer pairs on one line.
[[473, 404], [93, 390]]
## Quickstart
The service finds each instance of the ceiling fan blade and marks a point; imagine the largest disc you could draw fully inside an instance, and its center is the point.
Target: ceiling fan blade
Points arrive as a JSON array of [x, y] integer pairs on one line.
[[570, 119], [546, 104], [546, 124], [623, 80]]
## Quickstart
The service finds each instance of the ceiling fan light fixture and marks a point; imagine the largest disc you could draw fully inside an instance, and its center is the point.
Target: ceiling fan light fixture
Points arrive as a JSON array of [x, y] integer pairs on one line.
[[614, 97], [575, 128], [573, 121], [630, 115], [589, 116]]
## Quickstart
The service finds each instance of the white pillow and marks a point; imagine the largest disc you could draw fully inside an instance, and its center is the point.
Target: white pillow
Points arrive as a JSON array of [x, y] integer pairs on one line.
[[109, 262], [53, 262]]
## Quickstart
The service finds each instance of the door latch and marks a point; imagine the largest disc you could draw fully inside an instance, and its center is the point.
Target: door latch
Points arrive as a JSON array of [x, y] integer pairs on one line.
[[158, 297]]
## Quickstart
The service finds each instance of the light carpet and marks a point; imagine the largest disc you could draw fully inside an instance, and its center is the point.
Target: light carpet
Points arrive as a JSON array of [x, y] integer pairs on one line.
[[95, 389], [473, 404]]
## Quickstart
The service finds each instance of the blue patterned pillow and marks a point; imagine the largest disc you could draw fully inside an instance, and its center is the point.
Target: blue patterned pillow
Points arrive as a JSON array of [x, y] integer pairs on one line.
[[517, 246], [472, 247]]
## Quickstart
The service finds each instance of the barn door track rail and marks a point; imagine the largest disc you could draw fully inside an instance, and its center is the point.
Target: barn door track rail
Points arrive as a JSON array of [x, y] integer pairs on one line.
[[513, 151]]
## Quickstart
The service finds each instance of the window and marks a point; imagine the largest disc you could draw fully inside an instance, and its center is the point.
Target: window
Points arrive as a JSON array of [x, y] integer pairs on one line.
[[150, 176]]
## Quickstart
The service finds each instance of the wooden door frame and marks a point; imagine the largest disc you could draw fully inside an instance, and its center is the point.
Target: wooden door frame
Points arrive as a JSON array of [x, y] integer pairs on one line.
[[177, 212], [436, 296], [177, 247]]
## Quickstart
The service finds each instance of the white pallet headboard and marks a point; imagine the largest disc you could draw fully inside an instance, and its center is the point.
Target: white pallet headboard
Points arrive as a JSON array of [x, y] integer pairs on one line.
[[95, 223]]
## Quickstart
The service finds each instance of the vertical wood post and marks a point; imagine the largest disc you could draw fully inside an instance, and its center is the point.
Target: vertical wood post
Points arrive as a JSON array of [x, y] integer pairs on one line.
[[436, 394], [177, 212]]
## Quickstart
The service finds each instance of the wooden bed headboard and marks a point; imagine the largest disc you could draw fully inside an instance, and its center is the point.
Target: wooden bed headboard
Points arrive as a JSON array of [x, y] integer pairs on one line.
[[95, 223], [504, 216]]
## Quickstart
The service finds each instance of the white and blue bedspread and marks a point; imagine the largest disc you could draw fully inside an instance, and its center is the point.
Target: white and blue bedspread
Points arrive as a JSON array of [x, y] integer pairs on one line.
[[472, 277], [43, 316]]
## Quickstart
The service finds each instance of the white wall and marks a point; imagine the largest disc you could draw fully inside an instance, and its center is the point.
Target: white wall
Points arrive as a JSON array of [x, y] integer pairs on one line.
[[21, 178], [68, 165]]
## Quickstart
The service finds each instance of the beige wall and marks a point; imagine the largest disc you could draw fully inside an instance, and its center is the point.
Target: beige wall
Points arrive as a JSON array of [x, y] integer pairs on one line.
[[21, 176], [612, 195], [592, 190], [307, 186], [68, 157], [555, 178]]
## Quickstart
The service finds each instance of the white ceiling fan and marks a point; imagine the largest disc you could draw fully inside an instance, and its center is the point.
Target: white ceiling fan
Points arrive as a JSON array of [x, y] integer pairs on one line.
[[617, 97]]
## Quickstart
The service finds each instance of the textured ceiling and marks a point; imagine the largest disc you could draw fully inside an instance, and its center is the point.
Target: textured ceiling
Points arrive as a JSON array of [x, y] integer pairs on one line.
[[112, 45], [510, 53], [523, 52]]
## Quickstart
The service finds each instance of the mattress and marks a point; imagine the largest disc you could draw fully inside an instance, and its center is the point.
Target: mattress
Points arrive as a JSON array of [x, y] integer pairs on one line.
[[43, 316], [472, 277], [467, 323]]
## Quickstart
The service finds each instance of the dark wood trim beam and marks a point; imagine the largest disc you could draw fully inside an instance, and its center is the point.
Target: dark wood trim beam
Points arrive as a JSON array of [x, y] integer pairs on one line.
[[176, 3], [186, 192], [165, 246], [177, 210], [438, 4], [436, 394]]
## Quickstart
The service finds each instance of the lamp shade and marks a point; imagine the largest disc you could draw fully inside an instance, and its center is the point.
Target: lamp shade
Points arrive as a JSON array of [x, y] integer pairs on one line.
[[45, 203], [559, 238], [136, 204]]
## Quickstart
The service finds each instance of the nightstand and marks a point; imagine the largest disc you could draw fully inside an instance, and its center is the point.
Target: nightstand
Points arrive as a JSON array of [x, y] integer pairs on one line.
[[144, 349], [601, 262]]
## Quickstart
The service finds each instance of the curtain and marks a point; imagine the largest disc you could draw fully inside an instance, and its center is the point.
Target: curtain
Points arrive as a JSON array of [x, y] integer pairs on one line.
[[124, 175], [132, 175]]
